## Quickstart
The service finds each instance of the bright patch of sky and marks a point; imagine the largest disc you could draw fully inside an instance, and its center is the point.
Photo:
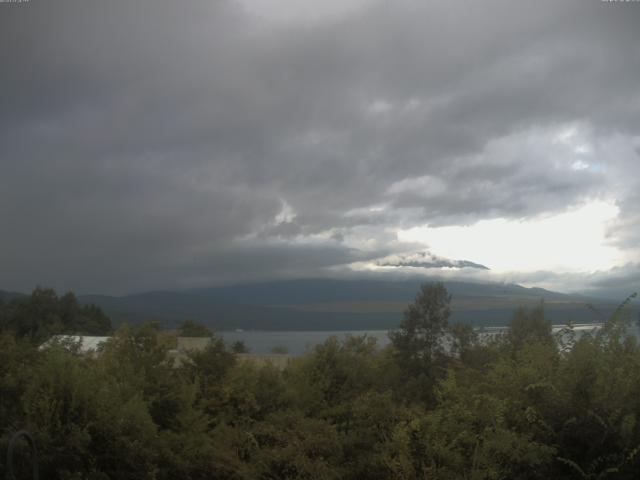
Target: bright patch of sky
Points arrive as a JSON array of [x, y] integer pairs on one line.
[[574, 241]]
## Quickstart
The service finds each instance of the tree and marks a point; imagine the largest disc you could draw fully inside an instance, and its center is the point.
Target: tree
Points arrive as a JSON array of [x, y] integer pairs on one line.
[[280, 350], [419, 340], [208, 368], [38, 316], [190, 328], [239, 347], [420, 335], [529, 326], [86, 422]]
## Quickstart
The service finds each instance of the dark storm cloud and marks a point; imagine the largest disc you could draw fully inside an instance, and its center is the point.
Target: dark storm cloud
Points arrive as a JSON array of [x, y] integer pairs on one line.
[[155, 144]]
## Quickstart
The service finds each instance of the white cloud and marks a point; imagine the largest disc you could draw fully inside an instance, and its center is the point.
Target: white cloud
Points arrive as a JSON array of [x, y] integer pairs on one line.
[[579, 165], [286, 215]]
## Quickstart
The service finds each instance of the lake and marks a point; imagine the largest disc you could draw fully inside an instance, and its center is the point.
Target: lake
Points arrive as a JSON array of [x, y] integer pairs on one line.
[[295, 342], [299, 342]]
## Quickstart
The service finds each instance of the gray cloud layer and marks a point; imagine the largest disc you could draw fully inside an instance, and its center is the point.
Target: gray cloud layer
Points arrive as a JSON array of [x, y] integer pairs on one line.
[[154, 144]]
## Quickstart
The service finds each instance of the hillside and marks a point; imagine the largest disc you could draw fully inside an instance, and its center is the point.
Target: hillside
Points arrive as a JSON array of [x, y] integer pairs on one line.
[[8, 296], [319, 304]]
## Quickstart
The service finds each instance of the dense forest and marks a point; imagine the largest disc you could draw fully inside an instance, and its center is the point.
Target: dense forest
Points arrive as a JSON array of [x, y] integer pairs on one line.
[[440, 402]]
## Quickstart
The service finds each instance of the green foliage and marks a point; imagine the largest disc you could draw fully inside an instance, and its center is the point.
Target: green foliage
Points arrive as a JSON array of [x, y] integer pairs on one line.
[[43, 314], [280, 350], [209, 366], [529, 326], [190, 328], [85, 422], [239, 347], [419, 342], [419, 336], [522, 407]]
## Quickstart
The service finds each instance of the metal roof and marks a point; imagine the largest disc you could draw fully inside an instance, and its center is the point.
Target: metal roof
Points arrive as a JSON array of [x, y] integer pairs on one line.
[[87, 343]]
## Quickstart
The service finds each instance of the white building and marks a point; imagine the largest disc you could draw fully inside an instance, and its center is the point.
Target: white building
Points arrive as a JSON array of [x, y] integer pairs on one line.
[[85, 344]]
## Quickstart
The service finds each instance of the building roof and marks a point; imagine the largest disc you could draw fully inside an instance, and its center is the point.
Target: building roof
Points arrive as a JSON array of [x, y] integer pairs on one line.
[[87, 343]]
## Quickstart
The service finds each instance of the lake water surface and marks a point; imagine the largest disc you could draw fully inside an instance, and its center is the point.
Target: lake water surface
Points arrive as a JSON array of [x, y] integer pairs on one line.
[[300, 342], [295, 342]]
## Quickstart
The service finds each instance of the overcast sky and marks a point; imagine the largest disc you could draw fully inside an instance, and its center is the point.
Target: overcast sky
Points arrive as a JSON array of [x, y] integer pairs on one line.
[[156, 145]]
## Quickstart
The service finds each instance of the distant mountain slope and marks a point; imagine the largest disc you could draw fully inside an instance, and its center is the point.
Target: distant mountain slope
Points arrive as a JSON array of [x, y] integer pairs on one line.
[[320, 304], [323, 290], [8, 296]]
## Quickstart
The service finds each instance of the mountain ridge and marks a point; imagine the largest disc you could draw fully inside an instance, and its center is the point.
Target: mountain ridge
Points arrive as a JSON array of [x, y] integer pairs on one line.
[[334, 304]]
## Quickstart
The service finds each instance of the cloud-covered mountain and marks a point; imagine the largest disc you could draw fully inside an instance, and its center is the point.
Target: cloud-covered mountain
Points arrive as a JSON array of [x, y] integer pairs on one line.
[[426, 260]]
